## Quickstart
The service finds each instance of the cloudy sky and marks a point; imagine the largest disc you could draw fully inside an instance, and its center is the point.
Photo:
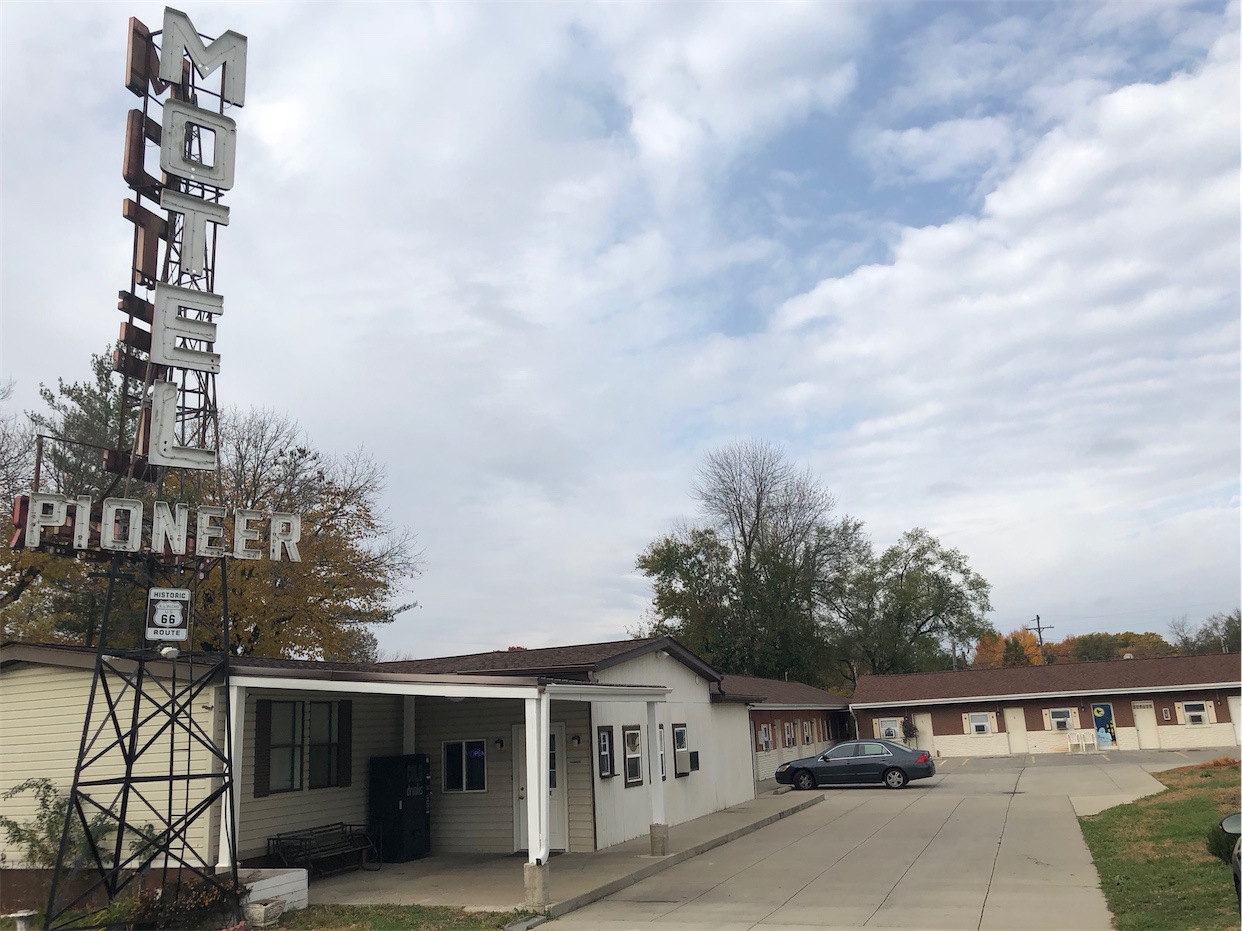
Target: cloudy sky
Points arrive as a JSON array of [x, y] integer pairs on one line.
[[977, 265]]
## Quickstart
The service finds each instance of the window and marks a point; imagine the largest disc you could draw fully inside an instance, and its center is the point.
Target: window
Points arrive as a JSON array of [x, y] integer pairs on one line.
[[300, 745], [806, 732], [1062, 719], [872, 749], [465, 766], [286, 746], [1196, 712], [604, 741], [789, 734], [681, 751], [840, 753], [979, 723], [767, 736], [663, 774], [890, 728], [631, 737], [324, 743]]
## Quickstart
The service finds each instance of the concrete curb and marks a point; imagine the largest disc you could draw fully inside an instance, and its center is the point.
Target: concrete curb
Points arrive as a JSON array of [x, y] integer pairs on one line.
[[556, 909]]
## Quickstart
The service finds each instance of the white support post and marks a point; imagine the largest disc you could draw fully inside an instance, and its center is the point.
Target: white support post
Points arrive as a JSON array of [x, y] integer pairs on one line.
[[545, 790], [658, 824], [230, 801], [533, 807]]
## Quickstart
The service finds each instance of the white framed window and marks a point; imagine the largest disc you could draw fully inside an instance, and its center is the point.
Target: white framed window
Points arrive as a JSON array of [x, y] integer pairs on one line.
[[806, 732], [681, 750], [1196, 712], [890, 728], [604, 738], [790, 740], [465, 766], [980, 723], [632, 744], [1062, 719], [766, 736]]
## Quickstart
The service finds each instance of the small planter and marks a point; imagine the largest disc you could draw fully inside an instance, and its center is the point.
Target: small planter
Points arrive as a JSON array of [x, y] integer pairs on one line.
[[264, 913]]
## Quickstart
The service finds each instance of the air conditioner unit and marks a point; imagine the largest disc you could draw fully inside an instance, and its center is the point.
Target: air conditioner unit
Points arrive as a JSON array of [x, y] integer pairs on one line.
[[1197, 718]]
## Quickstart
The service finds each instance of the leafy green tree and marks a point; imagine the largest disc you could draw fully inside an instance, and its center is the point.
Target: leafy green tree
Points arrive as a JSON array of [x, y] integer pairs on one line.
[[891, 613], [740, 588]]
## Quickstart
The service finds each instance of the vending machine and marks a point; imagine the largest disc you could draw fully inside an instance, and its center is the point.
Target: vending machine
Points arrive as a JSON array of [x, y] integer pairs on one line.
[[399, 796]]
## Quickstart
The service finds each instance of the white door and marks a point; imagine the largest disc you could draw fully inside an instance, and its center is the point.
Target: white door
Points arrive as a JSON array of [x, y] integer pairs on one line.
[[1235, 715], [558, 800], [1015, 727], [924, 740], [1145, 724]]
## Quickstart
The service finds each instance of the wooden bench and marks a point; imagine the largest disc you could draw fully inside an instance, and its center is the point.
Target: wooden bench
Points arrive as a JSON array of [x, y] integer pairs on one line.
[[331, 848]]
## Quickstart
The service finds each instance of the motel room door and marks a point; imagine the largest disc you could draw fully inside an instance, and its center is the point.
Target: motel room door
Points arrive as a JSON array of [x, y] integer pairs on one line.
[[558, 799], [1015, 727], [1145, 725]]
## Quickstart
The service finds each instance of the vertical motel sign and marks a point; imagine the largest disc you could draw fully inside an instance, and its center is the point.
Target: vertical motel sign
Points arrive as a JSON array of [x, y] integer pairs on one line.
[[197, 144], [166, 355]]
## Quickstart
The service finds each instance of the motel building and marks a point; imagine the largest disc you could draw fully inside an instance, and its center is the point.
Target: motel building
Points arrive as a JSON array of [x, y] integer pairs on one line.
[[1161, 703], [637, 735]]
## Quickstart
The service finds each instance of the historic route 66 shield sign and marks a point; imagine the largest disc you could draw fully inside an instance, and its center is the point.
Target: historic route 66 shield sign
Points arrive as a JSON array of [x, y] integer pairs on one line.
[[168, 612]]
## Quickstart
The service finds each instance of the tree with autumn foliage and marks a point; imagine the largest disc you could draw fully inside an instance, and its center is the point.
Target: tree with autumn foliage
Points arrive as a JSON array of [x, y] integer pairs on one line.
[[1017, 648], [354, 569]]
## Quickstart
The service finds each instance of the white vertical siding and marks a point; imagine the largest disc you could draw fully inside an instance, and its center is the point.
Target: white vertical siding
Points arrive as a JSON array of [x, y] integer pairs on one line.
[[720, 734]]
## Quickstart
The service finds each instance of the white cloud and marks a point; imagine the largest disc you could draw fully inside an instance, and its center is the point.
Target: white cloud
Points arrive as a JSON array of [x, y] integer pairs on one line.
[[502, 247]]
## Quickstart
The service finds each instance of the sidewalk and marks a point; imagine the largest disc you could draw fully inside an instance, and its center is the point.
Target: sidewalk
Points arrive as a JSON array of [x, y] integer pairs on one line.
[[490, 882]]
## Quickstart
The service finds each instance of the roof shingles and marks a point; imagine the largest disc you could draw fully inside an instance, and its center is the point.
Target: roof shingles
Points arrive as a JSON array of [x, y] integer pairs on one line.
[[1116, 675]]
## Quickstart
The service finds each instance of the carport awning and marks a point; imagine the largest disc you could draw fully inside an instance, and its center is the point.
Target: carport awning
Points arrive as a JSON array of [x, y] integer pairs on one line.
[[450, 686]]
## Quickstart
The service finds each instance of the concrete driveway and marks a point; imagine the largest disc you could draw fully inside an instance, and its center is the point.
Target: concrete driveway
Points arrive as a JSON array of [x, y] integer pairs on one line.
[[985, 844]]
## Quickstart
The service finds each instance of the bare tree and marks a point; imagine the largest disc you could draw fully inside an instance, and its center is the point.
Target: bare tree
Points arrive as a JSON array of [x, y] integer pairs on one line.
[[16, 449], [754, 497]]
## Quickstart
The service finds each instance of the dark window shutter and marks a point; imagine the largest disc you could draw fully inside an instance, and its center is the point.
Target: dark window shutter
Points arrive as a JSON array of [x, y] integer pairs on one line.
[[262, 748], [345, 743]]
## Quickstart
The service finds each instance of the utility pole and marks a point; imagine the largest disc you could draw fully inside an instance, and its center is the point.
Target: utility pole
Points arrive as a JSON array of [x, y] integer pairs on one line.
[[1039, 632]]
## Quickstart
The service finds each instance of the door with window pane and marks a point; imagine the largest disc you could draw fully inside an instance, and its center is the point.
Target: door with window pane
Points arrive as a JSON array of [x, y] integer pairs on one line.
[[558, 798]]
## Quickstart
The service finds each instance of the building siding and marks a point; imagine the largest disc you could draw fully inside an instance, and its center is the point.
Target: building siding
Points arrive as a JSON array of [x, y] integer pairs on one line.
[[43, 712], [483, 822], [720, 733], [377, 728]]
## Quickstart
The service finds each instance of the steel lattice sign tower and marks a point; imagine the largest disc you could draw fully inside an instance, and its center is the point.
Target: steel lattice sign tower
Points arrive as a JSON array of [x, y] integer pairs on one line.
[[153, 796]]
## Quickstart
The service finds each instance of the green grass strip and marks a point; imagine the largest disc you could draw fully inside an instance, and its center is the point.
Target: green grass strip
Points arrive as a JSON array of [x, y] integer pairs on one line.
[[1155, 871]]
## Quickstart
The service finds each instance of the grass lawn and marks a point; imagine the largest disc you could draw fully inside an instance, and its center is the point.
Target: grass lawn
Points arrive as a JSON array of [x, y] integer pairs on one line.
[[393, 918], [1154, 869]]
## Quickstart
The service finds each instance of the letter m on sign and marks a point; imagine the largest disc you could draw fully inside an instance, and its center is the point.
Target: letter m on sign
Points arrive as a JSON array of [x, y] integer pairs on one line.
[[181, 39]]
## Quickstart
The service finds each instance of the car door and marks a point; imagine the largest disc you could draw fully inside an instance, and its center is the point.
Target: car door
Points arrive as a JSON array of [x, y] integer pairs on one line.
[[833, 767], [870, 762]]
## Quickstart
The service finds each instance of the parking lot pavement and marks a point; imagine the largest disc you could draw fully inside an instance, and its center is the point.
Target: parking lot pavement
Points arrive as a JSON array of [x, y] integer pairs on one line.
[[986, 844]]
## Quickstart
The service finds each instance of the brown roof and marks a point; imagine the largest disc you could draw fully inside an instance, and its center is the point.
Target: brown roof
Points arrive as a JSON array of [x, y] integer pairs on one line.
[[779, 692], [1112, 676], [575, 660]]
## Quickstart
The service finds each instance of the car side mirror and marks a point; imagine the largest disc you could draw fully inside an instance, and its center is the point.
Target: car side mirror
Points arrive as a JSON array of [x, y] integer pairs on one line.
[[1232, 824]]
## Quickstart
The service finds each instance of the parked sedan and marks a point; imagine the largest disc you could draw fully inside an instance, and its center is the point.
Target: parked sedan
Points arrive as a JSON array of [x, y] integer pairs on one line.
[[859, 762]]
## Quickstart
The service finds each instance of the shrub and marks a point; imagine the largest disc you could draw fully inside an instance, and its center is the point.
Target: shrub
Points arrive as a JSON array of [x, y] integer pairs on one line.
[[1219, 844], [39, 839]]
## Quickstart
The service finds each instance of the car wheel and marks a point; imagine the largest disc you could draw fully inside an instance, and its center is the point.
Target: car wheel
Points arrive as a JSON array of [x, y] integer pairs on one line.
[[804, 780], [895, 778]]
